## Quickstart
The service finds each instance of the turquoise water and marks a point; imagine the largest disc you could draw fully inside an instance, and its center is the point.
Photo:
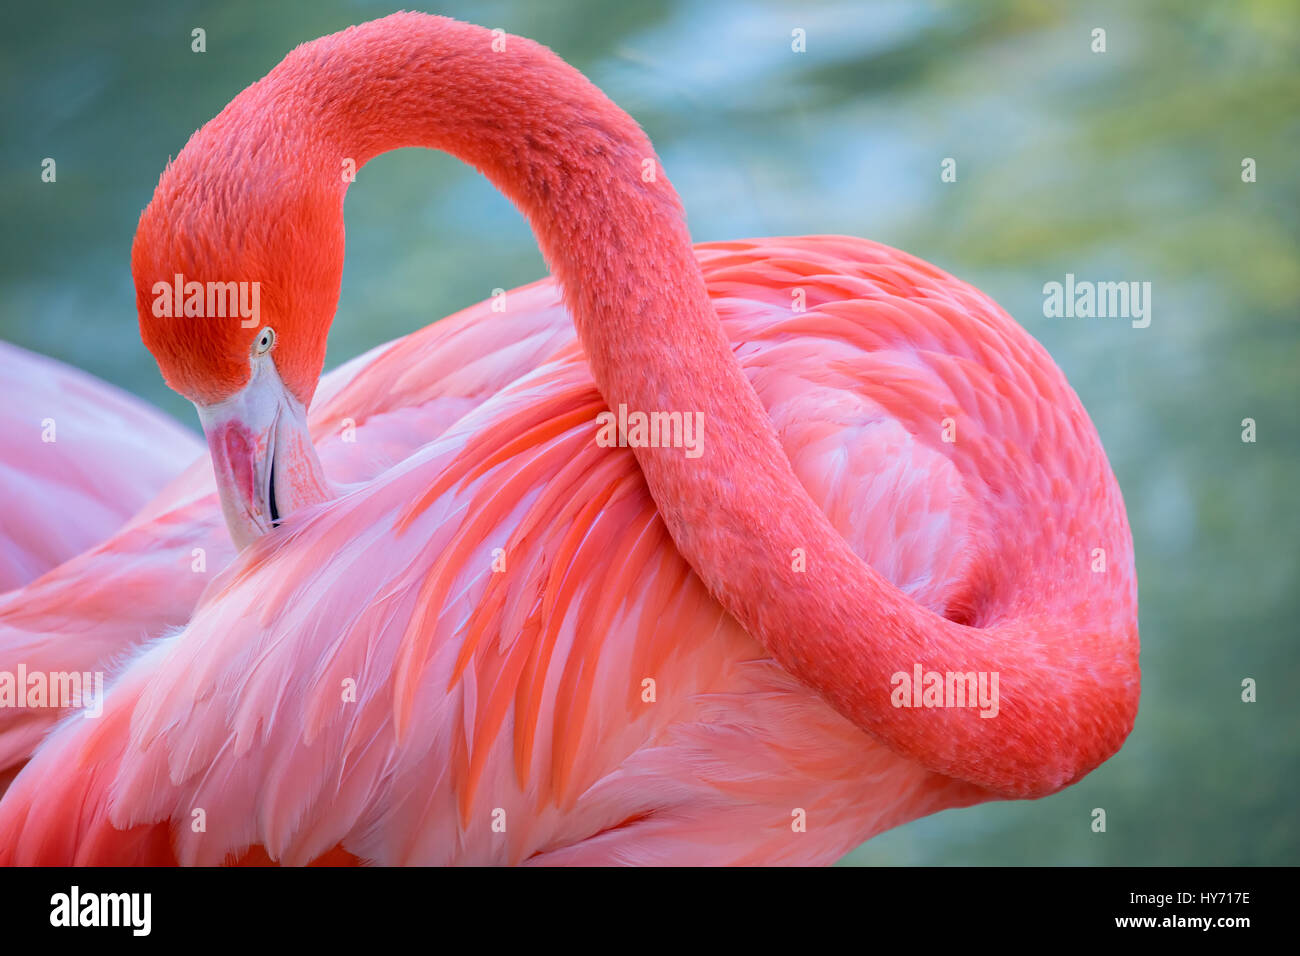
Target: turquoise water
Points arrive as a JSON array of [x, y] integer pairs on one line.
[[1122, 165]]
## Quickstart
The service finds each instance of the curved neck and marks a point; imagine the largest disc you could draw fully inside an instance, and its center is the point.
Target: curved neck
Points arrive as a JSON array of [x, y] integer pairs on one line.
[[612, 230], [607, 220]]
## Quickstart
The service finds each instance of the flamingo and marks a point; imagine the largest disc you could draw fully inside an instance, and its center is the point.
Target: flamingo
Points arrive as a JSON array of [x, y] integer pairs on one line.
[[519, 645], [68, 438]]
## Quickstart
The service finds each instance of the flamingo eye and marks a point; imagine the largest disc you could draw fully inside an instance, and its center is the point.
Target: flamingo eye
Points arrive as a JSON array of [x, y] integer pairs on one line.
[[265, 339]]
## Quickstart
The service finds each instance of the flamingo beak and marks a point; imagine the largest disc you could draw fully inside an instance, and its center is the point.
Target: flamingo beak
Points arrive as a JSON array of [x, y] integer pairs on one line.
[[262, 455]]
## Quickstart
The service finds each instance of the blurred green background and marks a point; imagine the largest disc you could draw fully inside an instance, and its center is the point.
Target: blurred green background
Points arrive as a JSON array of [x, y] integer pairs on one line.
[[1117, 166]]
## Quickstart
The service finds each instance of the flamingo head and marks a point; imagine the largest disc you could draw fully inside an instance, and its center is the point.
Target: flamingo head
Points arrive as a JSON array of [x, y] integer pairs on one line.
[[237, 277]]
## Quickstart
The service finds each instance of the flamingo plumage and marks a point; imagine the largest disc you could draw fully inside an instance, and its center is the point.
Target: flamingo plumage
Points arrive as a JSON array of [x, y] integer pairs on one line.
[[92, 611], [69, 438], [518, 645]]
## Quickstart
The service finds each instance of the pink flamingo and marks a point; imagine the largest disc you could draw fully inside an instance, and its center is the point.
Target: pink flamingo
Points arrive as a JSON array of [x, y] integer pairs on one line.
[[518, 645], [94, 450]]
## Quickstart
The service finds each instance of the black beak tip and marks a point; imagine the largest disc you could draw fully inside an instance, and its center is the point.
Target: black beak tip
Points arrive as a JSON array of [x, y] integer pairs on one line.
[[275, 511]]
